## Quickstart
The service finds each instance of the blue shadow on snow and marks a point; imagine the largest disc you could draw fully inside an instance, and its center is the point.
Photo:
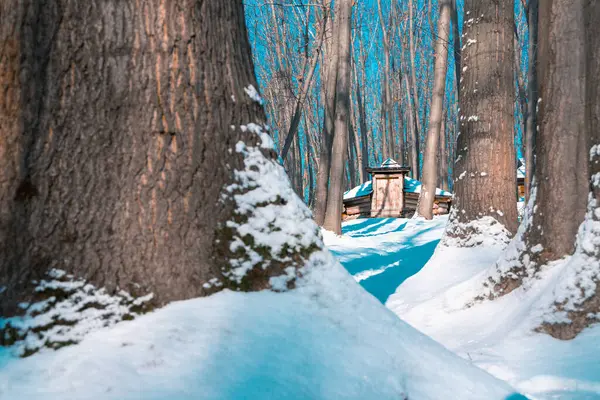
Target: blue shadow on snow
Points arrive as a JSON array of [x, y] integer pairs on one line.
[[409, 261]]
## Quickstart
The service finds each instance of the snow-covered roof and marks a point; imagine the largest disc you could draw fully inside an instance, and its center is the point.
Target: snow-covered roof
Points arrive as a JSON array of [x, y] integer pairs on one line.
[[410, 186], [390, 163], [521, 169]]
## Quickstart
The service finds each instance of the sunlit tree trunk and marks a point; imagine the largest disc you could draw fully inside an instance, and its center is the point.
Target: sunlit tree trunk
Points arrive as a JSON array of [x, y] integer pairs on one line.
[[331, 57], [436, 114], [556, 223], [333, 216], [484, 172]]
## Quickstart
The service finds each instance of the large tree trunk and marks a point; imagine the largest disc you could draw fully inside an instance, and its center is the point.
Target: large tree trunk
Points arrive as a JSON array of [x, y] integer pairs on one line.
[[532, 96], [117, 125], [556, 223], [561, 183], [333, 216], [484, 172], [436, 114]]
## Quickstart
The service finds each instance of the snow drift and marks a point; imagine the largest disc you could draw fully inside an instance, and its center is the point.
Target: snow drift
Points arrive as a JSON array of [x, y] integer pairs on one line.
[[327, 339]]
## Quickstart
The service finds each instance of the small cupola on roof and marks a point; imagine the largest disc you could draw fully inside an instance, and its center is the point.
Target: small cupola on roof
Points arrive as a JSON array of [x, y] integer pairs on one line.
[[388, 166]]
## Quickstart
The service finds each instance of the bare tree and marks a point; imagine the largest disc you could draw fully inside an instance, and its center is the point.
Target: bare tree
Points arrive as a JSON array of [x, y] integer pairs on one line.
[[311, 64], [331, 55], [415, 97], [333, 221], [436, 114]]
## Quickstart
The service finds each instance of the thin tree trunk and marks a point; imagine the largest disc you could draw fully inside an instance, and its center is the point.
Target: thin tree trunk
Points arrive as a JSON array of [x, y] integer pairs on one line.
[[532, 97], [312, 66], [436, 114], [333, 216], [443, 157], [362, 118], [388, 132], [456, 43], [484, 173], [412, 122], [415, 94]]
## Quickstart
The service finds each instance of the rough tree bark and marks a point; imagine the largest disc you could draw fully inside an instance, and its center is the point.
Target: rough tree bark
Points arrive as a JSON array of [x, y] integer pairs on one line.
[[436, 113], [333, 216], [117, 121], [331, 56], [484, 172], [556, 223], [561, 183]]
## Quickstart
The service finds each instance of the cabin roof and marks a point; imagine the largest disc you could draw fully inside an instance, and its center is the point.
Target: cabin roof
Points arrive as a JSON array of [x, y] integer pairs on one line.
[[410, 186], [389, 166]]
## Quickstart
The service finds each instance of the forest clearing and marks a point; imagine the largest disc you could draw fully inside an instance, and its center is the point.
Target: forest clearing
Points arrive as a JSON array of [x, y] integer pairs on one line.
[[328, 199]]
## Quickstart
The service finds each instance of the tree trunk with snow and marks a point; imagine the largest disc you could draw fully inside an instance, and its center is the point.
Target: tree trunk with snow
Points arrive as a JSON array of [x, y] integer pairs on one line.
[[132, 150], [333, 216], [484, 172], [436, 114], [568, 117]]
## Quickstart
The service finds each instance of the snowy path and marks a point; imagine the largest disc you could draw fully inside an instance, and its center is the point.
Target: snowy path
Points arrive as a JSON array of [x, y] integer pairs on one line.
[[381, 253], [388, 254]]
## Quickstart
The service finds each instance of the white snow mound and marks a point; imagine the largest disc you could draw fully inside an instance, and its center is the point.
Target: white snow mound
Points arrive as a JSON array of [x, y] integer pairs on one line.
[[327, 339]]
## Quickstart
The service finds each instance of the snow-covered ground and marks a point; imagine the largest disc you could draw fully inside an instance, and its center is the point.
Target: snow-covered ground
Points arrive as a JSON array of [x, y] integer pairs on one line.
[[382, 252], [327, 339], [496, 335], [499, 335]]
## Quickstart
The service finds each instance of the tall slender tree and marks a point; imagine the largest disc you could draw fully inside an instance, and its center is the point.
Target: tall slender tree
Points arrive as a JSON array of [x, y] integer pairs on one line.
[[436, 114], [329, 89], [333, 221]]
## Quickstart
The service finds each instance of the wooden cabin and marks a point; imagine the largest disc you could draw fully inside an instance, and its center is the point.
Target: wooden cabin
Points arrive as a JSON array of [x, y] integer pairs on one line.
[[390, 194]]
